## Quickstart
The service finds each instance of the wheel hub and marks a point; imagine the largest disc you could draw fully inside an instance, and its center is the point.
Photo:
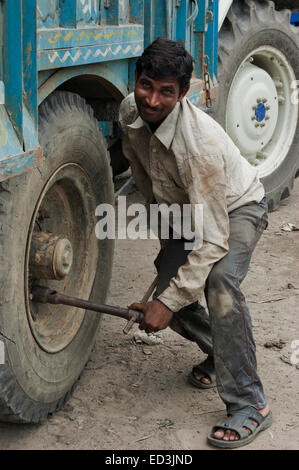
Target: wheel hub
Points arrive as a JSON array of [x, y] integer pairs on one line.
[[252, 122], [51, 256], [260, 112], [260, 116], [63, 222]]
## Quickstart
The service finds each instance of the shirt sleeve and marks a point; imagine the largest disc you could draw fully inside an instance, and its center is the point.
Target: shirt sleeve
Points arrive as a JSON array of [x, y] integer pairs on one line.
[[206, 188]]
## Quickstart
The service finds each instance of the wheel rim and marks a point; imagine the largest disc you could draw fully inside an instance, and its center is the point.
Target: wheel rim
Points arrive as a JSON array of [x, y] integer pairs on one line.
[[260, 116], [66, 207]]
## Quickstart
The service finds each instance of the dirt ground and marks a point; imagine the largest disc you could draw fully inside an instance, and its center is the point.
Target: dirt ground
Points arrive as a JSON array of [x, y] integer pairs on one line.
[[135, 396]]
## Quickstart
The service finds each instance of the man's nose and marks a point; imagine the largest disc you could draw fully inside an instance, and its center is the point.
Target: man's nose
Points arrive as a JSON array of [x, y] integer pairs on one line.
[[153, 100]]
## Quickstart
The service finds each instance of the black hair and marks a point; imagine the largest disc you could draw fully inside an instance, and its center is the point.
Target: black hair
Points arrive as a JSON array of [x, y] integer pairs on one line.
[[165, 58]]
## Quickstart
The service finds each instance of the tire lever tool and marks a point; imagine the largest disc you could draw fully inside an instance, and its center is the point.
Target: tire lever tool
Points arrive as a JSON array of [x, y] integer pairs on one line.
[[45, 295]]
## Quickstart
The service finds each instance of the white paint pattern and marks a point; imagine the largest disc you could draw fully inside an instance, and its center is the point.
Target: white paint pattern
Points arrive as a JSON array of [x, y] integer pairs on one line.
[[99, 52]]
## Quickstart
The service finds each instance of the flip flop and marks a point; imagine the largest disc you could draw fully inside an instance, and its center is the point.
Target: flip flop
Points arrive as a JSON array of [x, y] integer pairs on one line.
[[208, 369], [239, 420]]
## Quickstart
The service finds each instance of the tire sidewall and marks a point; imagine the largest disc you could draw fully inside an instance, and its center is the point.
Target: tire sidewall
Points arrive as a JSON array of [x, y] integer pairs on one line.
[[43, 376]]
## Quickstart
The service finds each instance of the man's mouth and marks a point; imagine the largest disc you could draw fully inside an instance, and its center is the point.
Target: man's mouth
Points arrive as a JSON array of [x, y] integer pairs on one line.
[[148, 110]]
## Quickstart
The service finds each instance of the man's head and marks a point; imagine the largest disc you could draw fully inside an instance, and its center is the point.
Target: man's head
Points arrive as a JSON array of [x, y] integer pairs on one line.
[[163, 75]]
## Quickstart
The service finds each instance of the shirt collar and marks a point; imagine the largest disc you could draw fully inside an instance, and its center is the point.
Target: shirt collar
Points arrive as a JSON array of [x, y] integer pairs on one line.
[[137, 124], [165, 132]]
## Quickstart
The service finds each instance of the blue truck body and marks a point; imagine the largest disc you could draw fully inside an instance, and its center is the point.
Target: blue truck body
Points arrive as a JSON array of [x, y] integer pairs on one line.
[[45, 43]]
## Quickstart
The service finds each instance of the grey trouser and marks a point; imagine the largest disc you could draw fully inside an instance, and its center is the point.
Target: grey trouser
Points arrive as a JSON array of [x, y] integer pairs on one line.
[[226, 332]]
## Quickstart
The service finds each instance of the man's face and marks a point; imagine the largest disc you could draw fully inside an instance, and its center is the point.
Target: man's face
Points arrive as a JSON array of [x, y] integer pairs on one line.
[[155, 99]]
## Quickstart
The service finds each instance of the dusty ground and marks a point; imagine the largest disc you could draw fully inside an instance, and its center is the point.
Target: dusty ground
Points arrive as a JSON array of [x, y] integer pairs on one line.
[[134, 396]]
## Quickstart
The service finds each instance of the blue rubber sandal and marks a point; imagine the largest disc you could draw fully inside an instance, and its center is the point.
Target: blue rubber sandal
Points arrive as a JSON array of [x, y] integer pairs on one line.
[[240, 419]]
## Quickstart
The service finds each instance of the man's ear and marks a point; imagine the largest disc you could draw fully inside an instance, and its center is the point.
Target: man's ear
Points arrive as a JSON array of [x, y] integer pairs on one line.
[[183, 93]]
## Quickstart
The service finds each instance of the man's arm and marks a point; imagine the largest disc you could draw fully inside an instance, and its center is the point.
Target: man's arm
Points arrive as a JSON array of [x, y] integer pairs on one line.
[[206, 186]]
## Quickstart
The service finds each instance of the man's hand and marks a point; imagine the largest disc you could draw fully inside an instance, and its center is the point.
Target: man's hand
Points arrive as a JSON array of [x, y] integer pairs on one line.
[[156, 315]]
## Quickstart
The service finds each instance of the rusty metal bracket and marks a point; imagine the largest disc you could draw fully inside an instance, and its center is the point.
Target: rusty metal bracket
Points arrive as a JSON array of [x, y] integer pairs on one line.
[[209, 16], [207, 81]]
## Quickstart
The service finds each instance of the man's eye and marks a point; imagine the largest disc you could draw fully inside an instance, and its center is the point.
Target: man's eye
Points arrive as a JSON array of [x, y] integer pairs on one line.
[[145, 84], [167, 92]]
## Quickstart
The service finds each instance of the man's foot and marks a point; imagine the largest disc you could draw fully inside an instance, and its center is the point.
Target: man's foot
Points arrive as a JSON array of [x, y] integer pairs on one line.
[[240, 428], [203, 374], [232, 435], [204, 379]]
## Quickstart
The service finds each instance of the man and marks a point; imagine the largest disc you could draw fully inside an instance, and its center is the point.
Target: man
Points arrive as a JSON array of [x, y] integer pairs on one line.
[[178, 154]]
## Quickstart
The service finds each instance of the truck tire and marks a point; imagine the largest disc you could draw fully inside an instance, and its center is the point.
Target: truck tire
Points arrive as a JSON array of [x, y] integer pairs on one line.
[[45, 347], [258, 98]]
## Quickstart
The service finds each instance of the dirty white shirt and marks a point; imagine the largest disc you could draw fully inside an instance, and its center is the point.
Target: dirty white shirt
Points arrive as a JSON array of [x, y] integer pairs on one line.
[[189, 159]]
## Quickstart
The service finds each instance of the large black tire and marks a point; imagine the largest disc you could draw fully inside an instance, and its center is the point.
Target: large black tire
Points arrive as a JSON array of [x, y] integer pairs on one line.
[[251, 25], [47, 347]]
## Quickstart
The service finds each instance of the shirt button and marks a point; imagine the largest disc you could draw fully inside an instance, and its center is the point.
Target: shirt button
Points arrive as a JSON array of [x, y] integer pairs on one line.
[[154, 150]]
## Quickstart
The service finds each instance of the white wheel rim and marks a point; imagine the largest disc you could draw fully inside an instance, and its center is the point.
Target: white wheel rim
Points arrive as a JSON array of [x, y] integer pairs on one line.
[[261, 118]]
